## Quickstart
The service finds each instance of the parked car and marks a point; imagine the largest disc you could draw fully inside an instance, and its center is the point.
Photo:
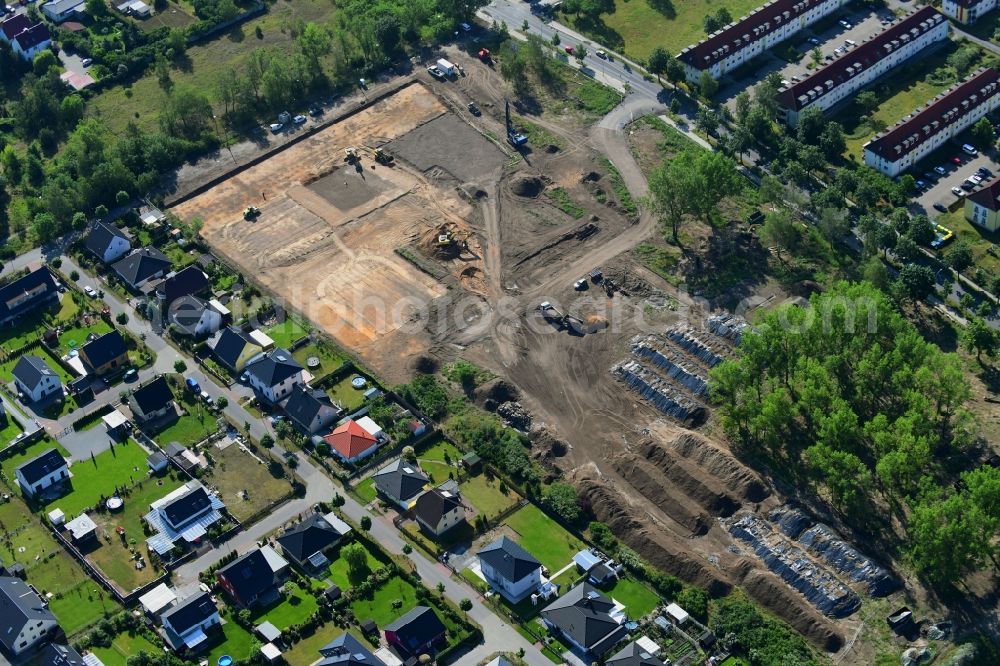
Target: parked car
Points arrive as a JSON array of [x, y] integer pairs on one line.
[[957, 191], [940, 170], [90, 291], [436, 73], [968, 185], [845, 24], [466, 27], [316, 111], [940, 207], [299, 119], [814, 41], [130, 374], [602, 54], [206, 398], [87, 62], [568, 49], [850, 42], [276, 127], [984, 172], [929, 176], [956, 160], [921, 185], [192, 385], [976, 178], [839, 50], [473, 109], [968, 149]]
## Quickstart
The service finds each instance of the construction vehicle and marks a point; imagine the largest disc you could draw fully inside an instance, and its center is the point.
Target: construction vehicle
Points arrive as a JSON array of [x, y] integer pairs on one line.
[[382, 157], [513, 137], [251, 213], [350, 155], [484, 55]]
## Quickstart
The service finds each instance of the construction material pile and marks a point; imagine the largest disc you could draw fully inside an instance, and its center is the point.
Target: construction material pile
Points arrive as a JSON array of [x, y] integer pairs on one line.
[[515, 415], [728, 326], [692, 345], [819, 586], [663, 395], [673, 369], [823, 542]]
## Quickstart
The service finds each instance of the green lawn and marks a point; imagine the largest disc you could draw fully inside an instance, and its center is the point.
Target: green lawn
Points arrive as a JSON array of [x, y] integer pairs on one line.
[[979, 240], [17, 336], [285, 333], [142, 101], [137, 501], [346, 395], [294, 608], [366, 490], [68, 308], [439, 459], [76, 336], [484, 494], [78, 602], [638, 599], [30, 535], [306, 651], [9, 429], [235, 641], [380, 607], [338, 572], [124, 646], [329, 359], [195, 425], [640, 27], [12, 462], [93, 478], [544, 538]]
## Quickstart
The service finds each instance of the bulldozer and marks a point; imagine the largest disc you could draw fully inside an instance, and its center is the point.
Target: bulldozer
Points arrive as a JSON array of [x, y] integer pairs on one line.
[[383, 157]]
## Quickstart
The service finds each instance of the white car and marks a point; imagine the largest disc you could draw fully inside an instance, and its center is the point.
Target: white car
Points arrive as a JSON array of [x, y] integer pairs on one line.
[[276, 127], [976, 178], [466, 27], [844, 24], [299, 119], [87, 62], [435, 72], [90, 291], [602, 54], [969, 150], [957, 191]]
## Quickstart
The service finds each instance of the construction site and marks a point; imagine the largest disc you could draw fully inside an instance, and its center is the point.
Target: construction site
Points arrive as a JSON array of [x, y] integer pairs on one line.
[[415, 231]]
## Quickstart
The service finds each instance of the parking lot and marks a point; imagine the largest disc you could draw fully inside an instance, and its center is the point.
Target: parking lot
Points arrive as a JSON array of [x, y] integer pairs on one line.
[[831, 36], [939, 190]]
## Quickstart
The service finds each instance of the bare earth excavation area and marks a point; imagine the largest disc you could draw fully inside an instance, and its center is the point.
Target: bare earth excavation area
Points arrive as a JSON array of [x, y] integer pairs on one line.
[[361, 249]]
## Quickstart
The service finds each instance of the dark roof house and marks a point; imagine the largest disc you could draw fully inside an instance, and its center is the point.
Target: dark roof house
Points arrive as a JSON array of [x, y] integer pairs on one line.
[[25, 620], [233, 347], [188, 506], [189, 281], [107, 242], [633, 654], [439, 511], [254, 577], [508, 559], [346, 650], [400, 482], [274, 367], [60, 655], [44, 470], [184, 624], [26, 294], [141, 265], [15, 25], [417, 632], [34, 36], [305, 543], [34, 376], [107, 352], [310, 410], [154, 400], [586, 618]]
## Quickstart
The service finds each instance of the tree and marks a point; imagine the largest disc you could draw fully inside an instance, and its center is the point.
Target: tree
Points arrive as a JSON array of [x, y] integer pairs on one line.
[[832, 141], [658, 60], [916, 282], [222, 402], [180, 365], [960, 257], [96, 8], [695, 601], [816, 55], [707, 120], [875, 272], [866, 101], [882, 237], [944, 547], [122, 318], [780, 230], [366, 523], [982, 133], [440, 588], [580, 52], [707, 85], [560, 498], [357, 561], [920, 229], [906, 249], [43, 62], [465, 604], [267, 441], [979, 337]]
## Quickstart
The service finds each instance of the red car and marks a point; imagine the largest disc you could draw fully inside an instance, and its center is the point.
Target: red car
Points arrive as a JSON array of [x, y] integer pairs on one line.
[[569, 49], [956, 160]]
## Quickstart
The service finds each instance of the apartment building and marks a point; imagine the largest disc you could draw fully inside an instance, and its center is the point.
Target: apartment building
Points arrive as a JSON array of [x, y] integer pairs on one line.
[[947, 115], [869, 60], [982, 208], [967, 11], [753, 34]]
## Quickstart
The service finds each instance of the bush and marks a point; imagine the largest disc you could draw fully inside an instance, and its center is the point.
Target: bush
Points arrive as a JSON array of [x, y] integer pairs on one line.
[[180, 365], [74, 275], [560, 498], [122, 318]]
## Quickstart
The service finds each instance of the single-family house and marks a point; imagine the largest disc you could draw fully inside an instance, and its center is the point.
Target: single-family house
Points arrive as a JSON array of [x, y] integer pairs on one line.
[[350, 442], [310, 410], [63, 10], [308, 543], [54, 654], [274, 374], [416, 632], [157, 462], [586, 619], [373, 429], [255, 577], [14, 25], [186, 626], [45, 470], [194, 316], [439, 511], [182, 515], [189, 281], [27, 294], [233, 348], [346, 650], [400, 482], [35, 379], [105, 354], [29, 43], [510, 569], [25, 620], [636, 653], [107, 242], [141, 266], [82, 530], [152, 401], [157, 600]]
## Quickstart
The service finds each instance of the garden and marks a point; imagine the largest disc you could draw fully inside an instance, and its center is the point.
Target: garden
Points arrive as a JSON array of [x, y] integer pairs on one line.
[[102, 476], [195, 424], [544, 538], [286, 332], [294, 608], [245, 485]]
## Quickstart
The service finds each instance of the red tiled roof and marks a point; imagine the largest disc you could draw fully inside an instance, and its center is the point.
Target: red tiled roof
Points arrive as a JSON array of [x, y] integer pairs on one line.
[[350, 439], [988, 197], [752, 28], [939, 115], [15, 25], [864, 56]]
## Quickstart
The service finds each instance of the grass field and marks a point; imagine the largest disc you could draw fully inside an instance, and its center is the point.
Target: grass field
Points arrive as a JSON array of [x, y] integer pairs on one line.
[[137, 502], [97, 477], [115, 560], [17, 336], [294, 608], [638, 599], [235, 641], [544, 538], [9, 429], [195, 425], [285, 333], [979, 241], [78, 602], [229, 51], [75, 337], [438, 460], [306, 651], [641, 28], [346, 395], [484, 494], [124, 646], [234, 472], [329, 359], [380, 607], [338, 572], [366, 490], [27, 534]]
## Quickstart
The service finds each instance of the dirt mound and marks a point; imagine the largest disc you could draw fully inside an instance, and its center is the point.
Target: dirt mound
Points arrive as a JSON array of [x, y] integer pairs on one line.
[[425, 365], [497, 390], [591, 177], [548, 445], [783, 601], [739, 478], [648, 481], [472, 278], [659, 547], [515, 415], [708, 491], [527, 186], [472, 191]]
